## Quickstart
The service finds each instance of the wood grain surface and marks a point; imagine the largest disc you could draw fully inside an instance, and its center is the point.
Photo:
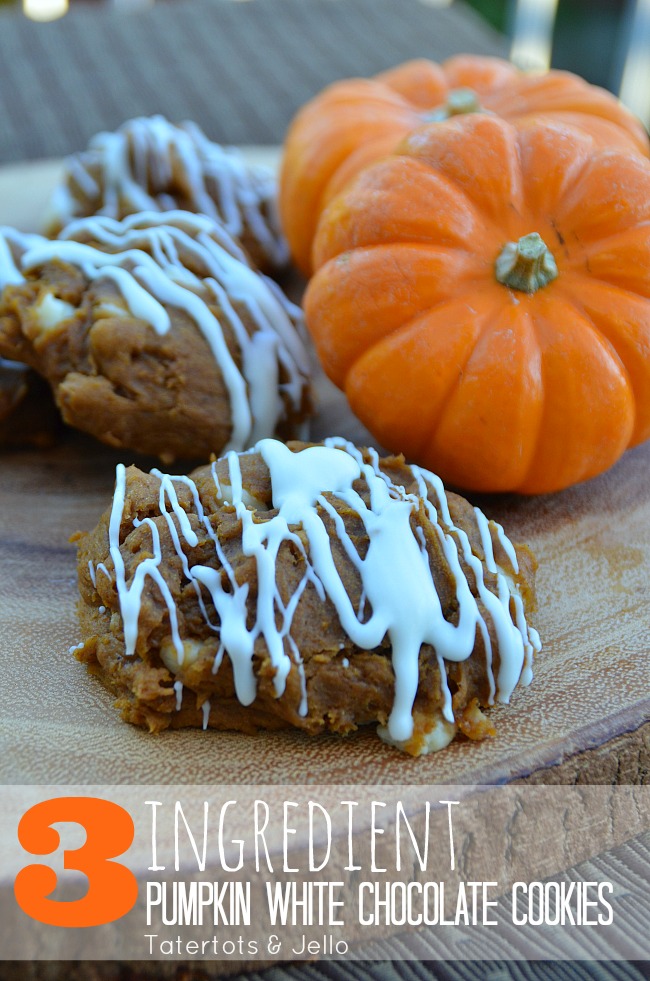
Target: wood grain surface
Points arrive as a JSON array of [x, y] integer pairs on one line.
[[583, 719]]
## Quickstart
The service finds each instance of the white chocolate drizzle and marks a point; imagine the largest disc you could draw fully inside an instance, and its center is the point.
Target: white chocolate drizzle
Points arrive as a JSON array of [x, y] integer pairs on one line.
[[205, 708], [402, 600], [144, 159], [178, 690], [144, 257], [12, 246], [102, 568]]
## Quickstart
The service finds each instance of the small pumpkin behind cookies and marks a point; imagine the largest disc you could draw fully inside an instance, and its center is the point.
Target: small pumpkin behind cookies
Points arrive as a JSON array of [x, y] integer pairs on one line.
[[482, 297], [355, 122]]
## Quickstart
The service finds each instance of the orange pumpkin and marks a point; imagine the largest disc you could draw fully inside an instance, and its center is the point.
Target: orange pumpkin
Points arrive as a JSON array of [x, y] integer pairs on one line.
[[357, 121], [482, 297]]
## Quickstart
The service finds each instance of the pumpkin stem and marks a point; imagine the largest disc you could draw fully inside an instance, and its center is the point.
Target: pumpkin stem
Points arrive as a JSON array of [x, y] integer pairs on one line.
[[526, 265], [459, 102]]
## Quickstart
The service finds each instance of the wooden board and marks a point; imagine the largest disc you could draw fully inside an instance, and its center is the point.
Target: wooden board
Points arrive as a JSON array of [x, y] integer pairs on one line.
[[585, 717]]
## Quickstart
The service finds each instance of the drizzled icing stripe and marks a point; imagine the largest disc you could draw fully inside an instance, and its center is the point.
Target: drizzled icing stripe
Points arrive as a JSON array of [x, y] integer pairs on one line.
[[138, 162], [205, 708], [131, 596], [12, 245], [395, 573], [198, 227], [178, 690], [532, 643], [151, 277]]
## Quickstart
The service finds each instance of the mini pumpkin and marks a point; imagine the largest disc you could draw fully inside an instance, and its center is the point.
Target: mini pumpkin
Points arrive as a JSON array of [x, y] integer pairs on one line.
[[355, 122], [482, 297]]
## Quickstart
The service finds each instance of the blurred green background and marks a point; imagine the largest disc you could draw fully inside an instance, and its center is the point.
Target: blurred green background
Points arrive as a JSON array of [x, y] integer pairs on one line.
[[590, 36]]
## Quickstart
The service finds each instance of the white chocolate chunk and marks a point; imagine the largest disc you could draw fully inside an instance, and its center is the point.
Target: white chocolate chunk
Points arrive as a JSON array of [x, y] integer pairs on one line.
[[227, 497], [439, 735], [173, 660], [110, 309], [51, 312]]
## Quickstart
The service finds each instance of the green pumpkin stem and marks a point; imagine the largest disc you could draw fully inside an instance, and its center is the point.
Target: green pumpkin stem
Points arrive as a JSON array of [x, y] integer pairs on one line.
[[526, 265], [459, 102]]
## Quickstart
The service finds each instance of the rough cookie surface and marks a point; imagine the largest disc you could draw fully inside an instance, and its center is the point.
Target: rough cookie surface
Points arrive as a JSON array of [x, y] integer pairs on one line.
[[313, 586], [155, 334], [149, 164]]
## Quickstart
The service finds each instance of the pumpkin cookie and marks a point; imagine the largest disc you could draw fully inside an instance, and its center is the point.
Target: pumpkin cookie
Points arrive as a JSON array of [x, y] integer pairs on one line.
[[28, 416], [149, 164], [313, 586], [155, 334]]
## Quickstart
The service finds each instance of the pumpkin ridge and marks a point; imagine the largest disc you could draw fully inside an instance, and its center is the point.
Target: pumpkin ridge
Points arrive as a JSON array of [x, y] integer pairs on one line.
[[602, 129], [548, 94], [313, 198], [529, 479], [545, 321], [409, 79], [584, 199], [603, 283], [435, 174], [594, 249], [329, 285], [494, 72], [414, 325], [361, 230], [543, 396], [549, 196], [491, 320], [349, 92], [613, 340], [486, 317], [417, 322], [324, 194], [441, 147]]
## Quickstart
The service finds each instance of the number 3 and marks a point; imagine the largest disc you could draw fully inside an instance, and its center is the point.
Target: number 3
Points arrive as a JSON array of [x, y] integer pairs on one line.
[[112, 887]]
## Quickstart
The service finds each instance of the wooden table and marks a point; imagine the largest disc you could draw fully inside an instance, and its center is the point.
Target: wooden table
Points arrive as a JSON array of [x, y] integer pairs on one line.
[[584, 718]]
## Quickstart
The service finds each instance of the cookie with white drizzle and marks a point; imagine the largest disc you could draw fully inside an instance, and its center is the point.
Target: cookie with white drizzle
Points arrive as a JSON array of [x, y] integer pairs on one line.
[[150, 164], [155, 334], [315, 586], [28, 416]]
